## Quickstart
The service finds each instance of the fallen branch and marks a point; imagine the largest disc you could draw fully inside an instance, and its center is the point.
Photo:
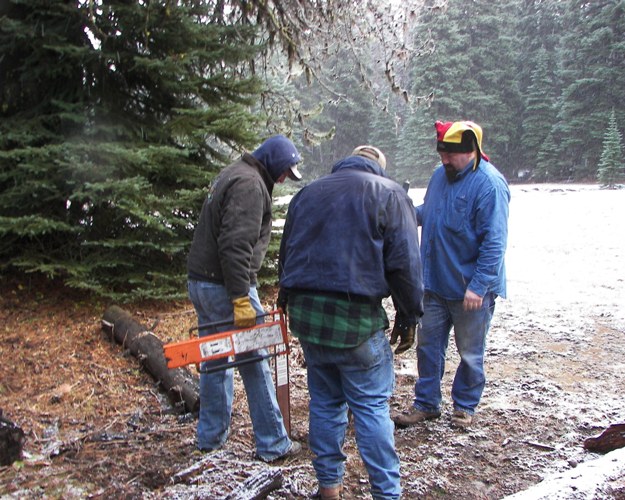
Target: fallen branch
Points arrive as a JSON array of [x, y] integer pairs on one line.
[[183, 476], [258, 486], [179, 385], [540, 446]]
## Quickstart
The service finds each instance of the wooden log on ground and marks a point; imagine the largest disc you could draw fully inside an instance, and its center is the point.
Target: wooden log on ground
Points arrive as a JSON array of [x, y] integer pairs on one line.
[[181, 387], [610, 439], [194, 469], [11, 441], [226, 465]]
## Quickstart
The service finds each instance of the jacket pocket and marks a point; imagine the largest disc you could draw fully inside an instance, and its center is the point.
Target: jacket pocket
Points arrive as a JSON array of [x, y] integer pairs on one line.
[[456, 217]]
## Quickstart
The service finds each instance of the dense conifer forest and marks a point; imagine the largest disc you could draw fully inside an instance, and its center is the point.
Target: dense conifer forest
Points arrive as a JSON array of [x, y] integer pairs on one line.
[[116, 115]]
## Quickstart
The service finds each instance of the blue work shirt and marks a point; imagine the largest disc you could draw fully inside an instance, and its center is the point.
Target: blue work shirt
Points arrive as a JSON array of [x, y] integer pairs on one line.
[[465, 232]]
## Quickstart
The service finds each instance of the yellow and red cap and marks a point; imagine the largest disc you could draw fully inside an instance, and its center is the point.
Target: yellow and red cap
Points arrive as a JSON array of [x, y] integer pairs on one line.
[[459, 137]]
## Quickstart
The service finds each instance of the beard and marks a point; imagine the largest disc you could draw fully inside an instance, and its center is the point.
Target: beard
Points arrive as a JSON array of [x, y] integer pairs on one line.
[[450, 172]]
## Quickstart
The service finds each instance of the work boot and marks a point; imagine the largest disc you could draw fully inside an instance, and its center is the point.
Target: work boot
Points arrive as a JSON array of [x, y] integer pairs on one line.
[[413, 417], [293, 451], [461, 419], [334, 493]]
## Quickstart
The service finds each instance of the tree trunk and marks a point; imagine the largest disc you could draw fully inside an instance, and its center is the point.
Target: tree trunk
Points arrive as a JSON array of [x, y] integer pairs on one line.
[[180, 386]]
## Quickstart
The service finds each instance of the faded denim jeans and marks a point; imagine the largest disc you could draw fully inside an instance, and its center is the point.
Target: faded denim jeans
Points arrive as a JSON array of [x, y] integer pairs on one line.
[[470, 329], [212, 304], [361, 379]]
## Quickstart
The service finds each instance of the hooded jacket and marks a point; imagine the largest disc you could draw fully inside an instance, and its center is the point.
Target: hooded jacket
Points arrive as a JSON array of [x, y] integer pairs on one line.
[[232, 235], [277, 154], [355, 233]]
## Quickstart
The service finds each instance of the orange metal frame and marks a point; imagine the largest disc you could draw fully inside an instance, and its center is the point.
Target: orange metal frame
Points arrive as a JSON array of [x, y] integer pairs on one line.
[[232, 342], [224, 344]]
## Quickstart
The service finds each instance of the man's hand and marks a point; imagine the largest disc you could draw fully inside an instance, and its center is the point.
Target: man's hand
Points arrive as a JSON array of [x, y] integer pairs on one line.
[[244, 313], [402, 331], [282, 299], [472, 301]]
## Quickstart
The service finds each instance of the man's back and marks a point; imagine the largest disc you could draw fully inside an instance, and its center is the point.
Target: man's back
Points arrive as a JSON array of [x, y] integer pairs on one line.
[[345, 230]]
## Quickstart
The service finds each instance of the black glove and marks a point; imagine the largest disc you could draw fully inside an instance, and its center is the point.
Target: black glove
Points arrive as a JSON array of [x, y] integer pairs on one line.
[[405, 332], [283, 298]]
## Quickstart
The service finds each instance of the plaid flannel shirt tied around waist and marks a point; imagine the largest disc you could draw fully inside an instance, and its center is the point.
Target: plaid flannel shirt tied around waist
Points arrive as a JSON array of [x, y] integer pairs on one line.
[[335, 320]]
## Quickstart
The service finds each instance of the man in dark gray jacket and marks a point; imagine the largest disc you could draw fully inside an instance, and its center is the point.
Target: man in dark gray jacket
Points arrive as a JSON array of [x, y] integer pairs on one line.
[[228, 248]]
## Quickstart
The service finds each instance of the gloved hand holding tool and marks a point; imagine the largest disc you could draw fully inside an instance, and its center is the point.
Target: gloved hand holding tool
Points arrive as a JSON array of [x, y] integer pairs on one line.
[[244, 313], [283, 299], [404, 331]]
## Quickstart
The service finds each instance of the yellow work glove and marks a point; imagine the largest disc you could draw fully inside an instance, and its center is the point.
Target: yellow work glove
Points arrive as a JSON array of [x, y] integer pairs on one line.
[[244, 313]]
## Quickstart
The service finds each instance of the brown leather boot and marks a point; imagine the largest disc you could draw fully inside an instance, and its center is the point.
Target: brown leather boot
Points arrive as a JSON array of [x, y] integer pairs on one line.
[[461, 418], [334, 493], [413, 417]]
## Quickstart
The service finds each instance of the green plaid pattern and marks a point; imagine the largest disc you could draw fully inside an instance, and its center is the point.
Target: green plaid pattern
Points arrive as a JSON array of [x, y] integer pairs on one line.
[[333, 321]]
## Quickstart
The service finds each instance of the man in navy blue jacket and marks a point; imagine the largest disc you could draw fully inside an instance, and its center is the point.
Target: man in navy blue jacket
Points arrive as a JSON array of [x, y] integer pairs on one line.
[[464, 219], [351, 239]]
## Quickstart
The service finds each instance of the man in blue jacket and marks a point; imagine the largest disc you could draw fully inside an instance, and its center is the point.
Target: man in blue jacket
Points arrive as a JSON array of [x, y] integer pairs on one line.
[[229, 245], [464, 219], [351, 239]]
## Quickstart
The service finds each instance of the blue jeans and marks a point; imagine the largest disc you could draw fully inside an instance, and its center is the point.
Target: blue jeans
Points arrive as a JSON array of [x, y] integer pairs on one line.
[[470, 329], [212, 304], [362, 379]]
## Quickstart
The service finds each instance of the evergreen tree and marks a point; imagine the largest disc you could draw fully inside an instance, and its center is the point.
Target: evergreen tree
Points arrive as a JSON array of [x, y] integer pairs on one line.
[[471, 73], [539, 110], [611, 165], [496, 101], [593, 57], [547, 167], [539, 30], [384, 130], [114, 119], [347, 114], [417, 147]]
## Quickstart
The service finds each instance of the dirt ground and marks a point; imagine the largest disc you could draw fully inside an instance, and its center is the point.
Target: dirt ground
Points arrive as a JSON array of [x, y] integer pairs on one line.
[[97, 425]]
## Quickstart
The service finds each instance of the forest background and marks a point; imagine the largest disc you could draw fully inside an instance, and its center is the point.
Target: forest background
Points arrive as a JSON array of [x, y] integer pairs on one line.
[[116, 115]]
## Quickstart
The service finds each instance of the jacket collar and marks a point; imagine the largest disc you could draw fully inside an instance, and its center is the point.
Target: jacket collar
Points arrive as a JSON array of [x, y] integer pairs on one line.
[[359, 163]]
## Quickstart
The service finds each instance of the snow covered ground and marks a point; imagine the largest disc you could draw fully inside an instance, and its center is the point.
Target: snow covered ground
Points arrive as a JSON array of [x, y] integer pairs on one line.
[[566, 249]]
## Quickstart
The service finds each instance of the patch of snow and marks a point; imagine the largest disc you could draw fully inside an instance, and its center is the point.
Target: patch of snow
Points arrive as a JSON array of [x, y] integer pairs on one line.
[[587, 481]]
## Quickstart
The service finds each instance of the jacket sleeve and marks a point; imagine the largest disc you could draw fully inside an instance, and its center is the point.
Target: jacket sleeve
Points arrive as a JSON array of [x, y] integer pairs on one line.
[[419, 212], [241, 221], [492, 230], [403, 269]]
